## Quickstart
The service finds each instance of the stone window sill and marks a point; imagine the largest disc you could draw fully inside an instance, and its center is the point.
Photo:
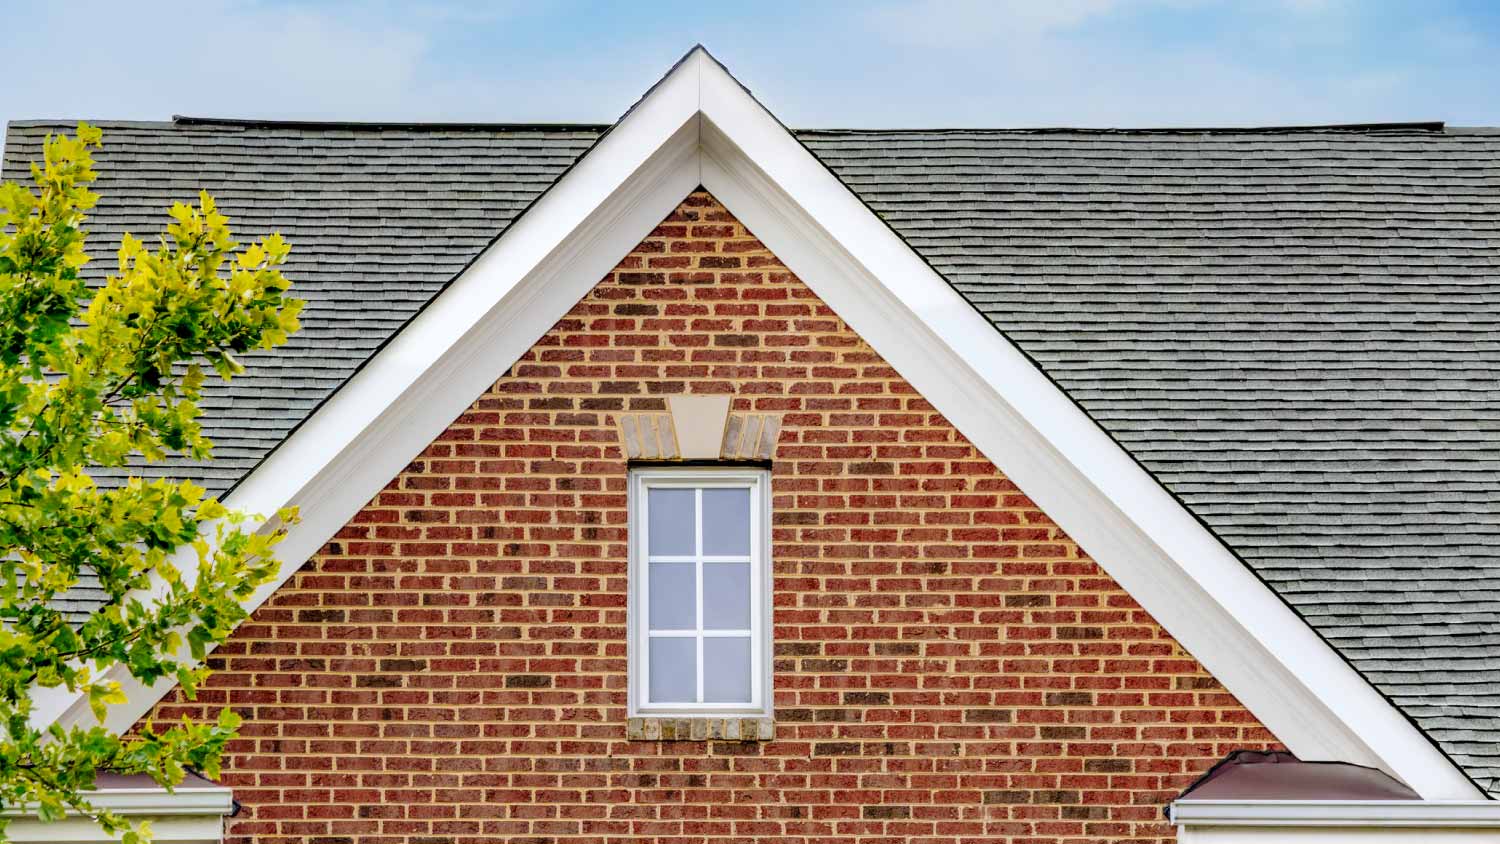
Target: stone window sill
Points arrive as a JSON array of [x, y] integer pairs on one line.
[[659, 728]]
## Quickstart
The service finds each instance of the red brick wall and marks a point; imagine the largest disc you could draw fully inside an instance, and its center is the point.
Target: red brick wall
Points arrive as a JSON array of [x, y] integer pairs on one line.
[[949, 665]]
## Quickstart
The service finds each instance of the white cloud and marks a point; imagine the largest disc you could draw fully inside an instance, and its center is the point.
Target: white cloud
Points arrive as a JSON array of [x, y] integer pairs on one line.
[[938, 23]]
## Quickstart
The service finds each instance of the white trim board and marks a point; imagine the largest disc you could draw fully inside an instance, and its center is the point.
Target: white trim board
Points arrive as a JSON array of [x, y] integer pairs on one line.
[[165, 829], [190, 815], [1464, 814], [1334, 821], [758, 483], [699, 126], [196, 800]]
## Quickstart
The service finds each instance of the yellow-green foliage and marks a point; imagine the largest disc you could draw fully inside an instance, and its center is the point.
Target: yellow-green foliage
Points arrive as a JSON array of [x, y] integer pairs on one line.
[[88, 379]]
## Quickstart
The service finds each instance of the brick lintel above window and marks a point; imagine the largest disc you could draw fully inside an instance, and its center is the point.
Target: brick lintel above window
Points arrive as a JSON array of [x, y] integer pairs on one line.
[[700, 427]]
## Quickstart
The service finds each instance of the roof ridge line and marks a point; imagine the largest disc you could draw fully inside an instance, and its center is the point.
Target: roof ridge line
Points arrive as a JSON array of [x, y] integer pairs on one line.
[[1417, 126], [1430, 126], [189, 120]]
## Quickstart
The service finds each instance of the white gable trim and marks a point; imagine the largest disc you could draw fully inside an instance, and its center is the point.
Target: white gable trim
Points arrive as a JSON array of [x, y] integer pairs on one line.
[[453, 350], [700, 126], [1244, 634]]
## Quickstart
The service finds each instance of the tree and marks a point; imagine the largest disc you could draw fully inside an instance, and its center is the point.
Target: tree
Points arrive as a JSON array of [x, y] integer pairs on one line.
[[101, 377]]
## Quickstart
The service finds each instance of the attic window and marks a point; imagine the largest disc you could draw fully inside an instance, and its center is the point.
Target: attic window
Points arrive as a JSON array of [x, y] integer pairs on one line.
[[699, 592]]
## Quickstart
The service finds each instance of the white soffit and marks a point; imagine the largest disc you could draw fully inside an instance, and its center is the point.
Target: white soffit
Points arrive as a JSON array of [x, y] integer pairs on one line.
[[699, 126]]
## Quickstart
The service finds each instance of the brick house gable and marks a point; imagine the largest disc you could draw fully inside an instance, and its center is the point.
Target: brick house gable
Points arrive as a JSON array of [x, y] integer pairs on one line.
[[949, 665]]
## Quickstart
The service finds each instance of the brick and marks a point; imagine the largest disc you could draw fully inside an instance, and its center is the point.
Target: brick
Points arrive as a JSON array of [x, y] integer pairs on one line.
[[403, 665], [948, 666], [885, 812], [1070, 699]]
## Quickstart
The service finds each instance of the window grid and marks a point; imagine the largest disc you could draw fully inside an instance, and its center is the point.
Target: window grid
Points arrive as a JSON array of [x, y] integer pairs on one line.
[[755, 633], [698, 671], [699, 560]]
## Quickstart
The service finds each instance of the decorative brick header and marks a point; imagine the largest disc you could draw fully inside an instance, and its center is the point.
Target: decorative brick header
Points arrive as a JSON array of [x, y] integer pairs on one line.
[[698, 428], [750, 436], [648, 436]]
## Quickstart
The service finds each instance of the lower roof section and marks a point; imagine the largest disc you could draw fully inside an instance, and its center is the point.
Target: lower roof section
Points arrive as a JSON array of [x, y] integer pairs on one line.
[[1256, 796], [1280, 775]]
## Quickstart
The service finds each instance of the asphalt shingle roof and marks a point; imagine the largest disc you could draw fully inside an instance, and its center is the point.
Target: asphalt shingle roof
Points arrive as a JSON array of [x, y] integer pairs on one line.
[[1295, 331]]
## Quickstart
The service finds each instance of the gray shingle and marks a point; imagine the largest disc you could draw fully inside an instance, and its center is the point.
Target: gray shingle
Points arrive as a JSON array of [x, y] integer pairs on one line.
[[379, 220], [1294, 331]]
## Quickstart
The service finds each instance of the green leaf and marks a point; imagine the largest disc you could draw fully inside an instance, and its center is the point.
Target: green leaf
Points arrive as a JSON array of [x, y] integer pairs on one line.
[[93, 378]]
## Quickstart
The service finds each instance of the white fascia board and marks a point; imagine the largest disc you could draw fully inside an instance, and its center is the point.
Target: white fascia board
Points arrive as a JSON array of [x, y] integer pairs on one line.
[[1462, 814], [174, 829], [700, 126], [185, 816], [1230, 620], [215, 801]]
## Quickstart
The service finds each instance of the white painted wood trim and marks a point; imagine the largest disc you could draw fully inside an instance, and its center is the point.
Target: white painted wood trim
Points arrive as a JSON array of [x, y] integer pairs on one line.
[[192, 815], [217, 800], [758, 481], [167, 829], [699, 126], [1464, 814]]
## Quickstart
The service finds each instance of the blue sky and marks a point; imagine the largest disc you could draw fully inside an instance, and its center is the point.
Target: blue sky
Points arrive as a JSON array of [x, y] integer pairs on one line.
[[816, 64]]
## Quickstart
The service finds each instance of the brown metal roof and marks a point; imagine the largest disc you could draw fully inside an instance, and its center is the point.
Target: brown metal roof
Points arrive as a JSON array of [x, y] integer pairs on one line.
[[1279, 775]]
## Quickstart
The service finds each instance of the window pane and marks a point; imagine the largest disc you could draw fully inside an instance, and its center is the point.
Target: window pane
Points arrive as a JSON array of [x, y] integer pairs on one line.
[[726, 521], [670, 531], [673, 597], [726, 669], [674, 669], [726, 596]]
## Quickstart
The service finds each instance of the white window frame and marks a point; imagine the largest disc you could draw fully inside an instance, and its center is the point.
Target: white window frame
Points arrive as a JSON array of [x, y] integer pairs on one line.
[[638, 610]]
